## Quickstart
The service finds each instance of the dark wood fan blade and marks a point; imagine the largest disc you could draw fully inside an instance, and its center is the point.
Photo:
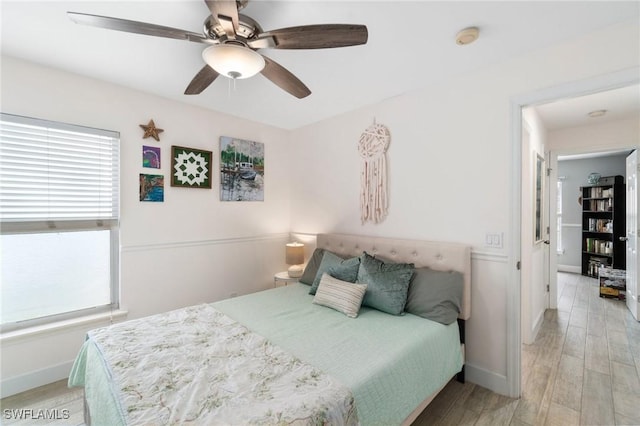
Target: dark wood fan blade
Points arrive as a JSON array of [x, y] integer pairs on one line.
[[201, 81], [224, 9], [317, 36], [134, 27], [282, 78]]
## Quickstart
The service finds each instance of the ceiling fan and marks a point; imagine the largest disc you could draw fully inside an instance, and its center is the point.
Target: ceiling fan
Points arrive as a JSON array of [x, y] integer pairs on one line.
[[233, 40]]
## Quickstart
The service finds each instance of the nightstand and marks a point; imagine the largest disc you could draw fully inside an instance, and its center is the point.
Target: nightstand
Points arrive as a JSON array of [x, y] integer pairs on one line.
[[282, 278]]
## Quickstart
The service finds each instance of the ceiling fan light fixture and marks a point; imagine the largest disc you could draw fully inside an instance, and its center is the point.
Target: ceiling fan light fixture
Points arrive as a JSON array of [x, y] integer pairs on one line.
[[233, 61]]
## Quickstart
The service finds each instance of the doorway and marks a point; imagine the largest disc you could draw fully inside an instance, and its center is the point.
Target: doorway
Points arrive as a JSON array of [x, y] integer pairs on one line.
[[519, 252]]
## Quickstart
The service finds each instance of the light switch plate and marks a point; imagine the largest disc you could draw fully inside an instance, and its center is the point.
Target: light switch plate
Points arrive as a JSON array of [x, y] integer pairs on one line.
[[493, 239]]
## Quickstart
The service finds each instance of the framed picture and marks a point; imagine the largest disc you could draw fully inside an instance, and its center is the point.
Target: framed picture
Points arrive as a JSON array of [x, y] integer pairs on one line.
[[151, 187], [151, 157], [538, 194], [241, 170], [190, 167]]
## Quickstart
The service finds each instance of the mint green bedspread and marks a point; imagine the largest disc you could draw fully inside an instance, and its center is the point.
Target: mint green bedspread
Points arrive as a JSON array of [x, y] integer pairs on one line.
[[197, 365], [390, 363]]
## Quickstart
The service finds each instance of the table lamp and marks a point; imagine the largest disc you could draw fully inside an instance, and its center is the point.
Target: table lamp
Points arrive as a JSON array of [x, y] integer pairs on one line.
[[294, 256]]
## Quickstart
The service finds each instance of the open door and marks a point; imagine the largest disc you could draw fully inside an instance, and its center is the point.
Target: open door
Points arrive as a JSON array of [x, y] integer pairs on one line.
[[632, 234]]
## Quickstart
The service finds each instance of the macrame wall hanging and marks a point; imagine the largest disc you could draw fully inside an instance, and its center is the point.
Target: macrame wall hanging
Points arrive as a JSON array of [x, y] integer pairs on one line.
[[374, 199]]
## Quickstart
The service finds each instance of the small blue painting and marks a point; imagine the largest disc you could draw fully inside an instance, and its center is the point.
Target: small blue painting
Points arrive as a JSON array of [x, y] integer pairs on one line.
[[151, 188]]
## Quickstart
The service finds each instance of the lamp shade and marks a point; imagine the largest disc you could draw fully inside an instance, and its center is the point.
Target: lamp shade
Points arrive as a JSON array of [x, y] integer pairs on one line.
[[294, 254], [233, 61]]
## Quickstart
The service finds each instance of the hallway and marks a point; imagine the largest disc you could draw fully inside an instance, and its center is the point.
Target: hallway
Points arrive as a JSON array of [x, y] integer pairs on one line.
[[588, 354]]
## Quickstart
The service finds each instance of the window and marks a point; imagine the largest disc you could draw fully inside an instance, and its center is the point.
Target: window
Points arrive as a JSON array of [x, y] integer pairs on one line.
[[59, 211]]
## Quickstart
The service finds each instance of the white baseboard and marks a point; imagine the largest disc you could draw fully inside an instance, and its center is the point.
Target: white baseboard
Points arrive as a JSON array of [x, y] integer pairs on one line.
[[34, 379], [537, 324], [569, 268], [487, 379]]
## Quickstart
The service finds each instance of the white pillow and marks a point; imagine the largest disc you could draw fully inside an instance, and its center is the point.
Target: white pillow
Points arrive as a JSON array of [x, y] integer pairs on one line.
[[340, 295]]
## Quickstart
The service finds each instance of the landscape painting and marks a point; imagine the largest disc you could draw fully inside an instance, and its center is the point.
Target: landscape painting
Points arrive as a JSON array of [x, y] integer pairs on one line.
[[151, 187], [241, 170]]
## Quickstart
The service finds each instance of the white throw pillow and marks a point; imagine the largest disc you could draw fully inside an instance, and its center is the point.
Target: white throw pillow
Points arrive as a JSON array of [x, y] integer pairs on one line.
[[340, 295]]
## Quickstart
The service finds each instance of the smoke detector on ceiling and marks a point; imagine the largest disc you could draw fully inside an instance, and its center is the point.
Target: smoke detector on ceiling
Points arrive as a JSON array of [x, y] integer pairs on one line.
[[467, 36]]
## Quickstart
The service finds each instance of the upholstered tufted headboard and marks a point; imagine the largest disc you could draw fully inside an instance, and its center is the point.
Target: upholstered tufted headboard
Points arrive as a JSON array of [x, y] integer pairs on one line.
[[435, 255]]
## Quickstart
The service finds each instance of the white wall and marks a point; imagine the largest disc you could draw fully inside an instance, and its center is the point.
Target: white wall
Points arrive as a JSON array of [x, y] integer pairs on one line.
[[190, 249], [595, 137], [449, 170]]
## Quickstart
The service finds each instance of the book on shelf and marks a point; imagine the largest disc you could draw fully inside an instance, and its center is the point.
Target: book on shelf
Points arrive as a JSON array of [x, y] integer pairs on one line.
[[600, 225], [595, 245], [600, 192], [604, 205]]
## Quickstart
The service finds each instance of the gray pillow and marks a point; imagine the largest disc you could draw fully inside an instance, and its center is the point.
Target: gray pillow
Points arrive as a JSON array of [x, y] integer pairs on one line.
[[387, 284], [311, 269], [435, 295], [337, 267]]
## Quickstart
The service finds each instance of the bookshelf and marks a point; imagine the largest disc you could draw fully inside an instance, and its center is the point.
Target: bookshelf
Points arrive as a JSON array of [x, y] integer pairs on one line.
[[603, 223]]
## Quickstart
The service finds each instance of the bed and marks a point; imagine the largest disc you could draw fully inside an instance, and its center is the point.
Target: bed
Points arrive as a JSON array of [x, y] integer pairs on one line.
[[280, 356]]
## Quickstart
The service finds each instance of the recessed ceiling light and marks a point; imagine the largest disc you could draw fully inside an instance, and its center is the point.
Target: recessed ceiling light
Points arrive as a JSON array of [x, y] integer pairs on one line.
[[467, 36], [597, 113]]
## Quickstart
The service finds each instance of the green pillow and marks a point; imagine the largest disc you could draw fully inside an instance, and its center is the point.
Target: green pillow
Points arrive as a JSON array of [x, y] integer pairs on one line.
[[435, 295], [311, 269], [337, 267], [387, 284]]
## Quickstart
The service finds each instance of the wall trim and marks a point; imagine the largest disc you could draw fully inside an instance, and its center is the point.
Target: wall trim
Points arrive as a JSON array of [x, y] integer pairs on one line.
[[61, 326], [487, 379], [34, 379], [537, 324], [198, 243], [570, 268], [487, 256]]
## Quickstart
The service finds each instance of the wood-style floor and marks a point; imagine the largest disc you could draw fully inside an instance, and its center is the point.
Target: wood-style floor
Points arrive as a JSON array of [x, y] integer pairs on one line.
[[63, 406], [583, 369]]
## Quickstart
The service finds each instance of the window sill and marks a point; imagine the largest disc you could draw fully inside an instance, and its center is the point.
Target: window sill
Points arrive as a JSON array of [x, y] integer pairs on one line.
[[28, 332]]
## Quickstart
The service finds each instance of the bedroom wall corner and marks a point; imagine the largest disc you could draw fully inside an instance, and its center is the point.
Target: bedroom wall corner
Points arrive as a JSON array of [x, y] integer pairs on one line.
[[192, 248], [450, 174]]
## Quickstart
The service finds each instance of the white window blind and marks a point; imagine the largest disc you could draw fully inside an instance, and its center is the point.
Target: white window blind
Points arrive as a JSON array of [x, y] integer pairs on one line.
[[55, 175]]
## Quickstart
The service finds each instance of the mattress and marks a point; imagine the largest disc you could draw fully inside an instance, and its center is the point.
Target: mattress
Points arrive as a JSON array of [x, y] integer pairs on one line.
[[197, 365], [389, 364]]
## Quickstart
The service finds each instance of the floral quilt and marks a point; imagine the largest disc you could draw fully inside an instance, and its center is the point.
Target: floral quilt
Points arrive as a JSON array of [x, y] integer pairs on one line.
[[197, 365]]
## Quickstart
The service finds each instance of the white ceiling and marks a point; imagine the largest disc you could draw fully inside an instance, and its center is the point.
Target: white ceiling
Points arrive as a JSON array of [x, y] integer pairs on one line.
[[411, 45], [619, 104]]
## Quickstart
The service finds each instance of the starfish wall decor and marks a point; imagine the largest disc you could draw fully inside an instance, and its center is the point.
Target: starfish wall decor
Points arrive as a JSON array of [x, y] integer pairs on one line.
[[150, 130]]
